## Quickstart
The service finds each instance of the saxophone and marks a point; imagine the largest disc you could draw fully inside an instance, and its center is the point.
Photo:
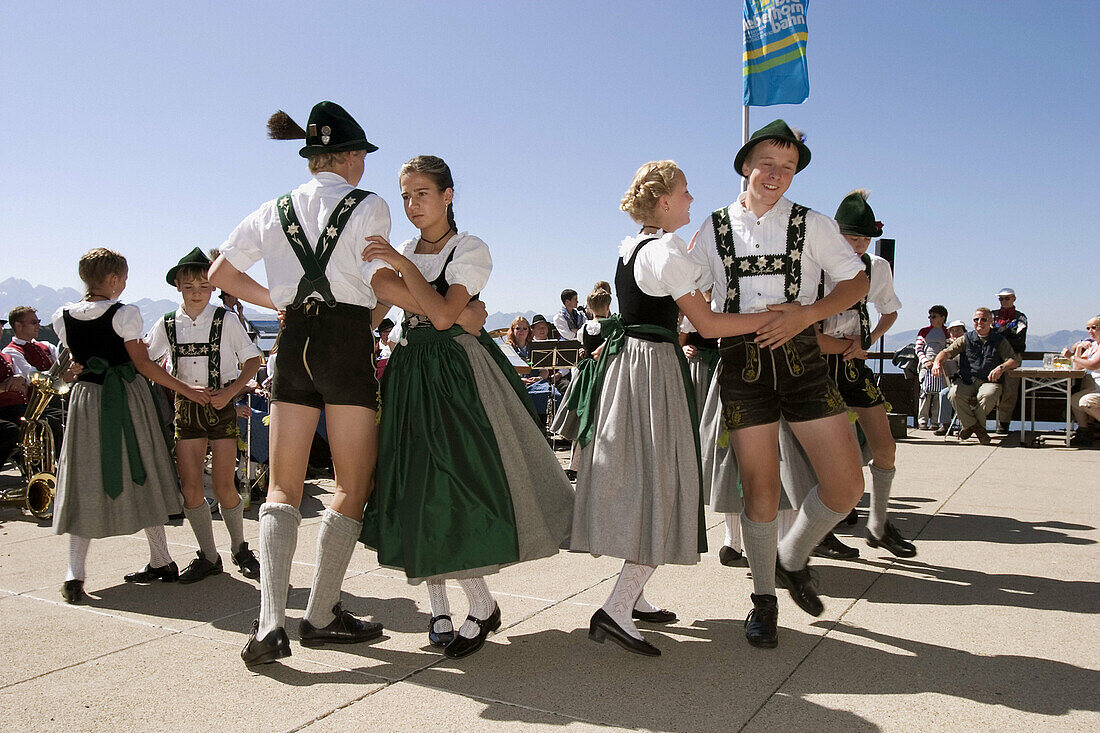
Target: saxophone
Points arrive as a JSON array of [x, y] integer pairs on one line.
[[36, 444]]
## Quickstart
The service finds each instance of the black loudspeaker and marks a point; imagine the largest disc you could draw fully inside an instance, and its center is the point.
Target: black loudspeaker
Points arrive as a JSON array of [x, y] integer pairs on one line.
[[884, 248]]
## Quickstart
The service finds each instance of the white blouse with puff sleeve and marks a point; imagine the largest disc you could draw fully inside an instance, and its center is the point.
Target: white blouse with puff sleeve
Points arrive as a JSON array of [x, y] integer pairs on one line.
[[470, 266], [126, 321], [663, 267]]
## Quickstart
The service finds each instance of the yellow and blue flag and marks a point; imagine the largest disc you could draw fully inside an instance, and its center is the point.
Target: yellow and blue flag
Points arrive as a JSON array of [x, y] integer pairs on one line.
[[775, 52]]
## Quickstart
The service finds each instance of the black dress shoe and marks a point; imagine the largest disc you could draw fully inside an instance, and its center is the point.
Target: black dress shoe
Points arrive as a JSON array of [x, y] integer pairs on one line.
[[73, 591], [983, 436], [344, 629], [660, 616], [200, 568], [762, 624], [603, 626], [245, 559], [893, 541], [463, 646], [732, 558], [274, 646], [801, 586], [165, 573], [833, 548], [440, 638]]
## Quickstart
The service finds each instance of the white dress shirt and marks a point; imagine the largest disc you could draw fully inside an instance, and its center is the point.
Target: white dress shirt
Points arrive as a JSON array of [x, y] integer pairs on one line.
[[565, 325], [19, 362], [261, 236], [826, 250], [846, 323], [236, 346]]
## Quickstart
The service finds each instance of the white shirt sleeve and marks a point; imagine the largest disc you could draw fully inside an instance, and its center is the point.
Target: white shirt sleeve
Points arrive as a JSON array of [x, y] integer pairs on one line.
[[882, 293], [127, 323], [375, 222], [663, 267], [471, 265], [829, 249], [563, 326], [157, 341], [58, 321], [21, 366], [243, 247]]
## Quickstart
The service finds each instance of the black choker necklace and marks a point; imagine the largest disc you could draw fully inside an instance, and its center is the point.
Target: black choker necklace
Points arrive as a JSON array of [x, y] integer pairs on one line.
[[436, 241]]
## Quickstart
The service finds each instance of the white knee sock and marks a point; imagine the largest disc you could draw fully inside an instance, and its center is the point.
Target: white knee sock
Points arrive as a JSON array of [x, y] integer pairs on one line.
[[234, 522], [482, 604], [78, 553], [629, 586], [760, 541], [203, 527], [814, 521], [278, 540], [437, 600], [643, 605], [733, 531], [335, 544], [158, 546], [881, 482], [785, 517]]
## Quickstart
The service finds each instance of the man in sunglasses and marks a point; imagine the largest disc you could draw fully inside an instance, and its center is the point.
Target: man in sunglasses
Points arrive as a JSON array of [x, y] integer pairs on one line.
[[1012, 324], [984, 357]]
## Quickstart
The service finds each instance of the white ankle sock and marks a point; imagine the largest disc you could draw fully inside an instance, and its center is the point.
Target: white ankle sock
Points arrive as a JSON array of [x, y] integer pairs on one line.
[[629, 586], [733, 531], [335, 544], [203, 527], [882, 481], [278, 540], [437, 600], [760, 542], [158, 546], [78, 553], [234, 522], [481, 604], [814, 521]]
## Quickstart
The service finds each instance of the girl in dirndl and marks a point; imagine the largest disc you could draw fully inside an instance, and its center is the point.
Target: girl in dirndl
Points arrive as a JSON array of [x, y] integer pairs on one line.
[[466, 482], [638, 477]]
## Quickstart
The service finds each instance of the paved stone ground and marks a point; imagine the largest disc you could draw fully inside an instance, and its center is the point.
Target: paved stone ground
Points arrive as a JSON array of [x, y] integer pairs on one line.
[[993, 626]]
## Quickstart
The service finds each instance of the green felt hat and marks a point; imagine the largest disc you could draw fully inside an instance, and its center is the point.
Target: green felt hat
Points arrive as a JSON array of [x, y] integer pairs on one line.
[[332, 130], [777, 130], [855, 216], [194, 257]]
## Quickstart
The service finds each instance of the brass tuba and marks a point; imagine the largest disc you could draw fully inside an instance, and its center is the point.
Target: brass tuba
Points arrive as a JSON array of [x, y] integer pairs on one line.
[[36, 444]]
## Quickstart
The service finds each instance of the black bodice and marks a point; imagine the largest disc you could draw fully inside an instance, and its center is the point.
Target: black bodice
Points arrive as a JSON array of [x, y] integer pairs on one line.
[[96, 337], [635, 306]]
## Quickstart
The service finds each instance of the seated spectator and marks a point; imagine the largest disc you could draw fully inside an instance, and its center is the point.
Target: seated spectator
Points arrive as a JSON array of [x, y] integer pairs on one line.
[[1012, 324], [931, 340], [569, 320], [984, 358], [540, 329], [519, 337], [541, 384], [1086, 402], [955, 330], [13, 402], [29, 355]]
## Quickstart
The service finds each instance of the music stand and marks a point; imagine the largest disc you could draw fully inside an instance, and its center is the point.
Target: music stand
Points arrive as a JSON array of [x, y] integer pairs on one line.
[[563, 354]]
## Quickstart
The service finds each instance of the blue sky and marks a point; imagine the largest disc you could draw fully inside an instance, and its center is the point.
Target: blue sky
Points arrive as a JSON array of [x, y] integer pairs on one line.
[[140, 126]]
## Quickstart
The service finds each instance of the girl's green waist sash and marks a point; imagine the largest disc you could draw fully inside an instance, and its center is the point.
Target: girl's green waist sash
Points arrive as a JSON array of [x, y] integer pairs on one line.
[[116, 426]]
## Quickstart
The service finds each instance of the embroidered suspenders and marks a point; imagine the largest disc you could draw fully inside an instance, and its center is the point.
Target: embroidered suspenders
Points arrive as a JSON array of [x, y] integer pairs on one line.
[[789, 265], [315, 260], [212, 349]]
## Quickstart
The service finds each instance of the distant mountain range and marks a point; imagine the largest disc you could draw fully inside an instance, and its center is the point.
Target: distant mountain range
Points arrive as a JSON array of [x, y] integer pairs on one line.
[[15, 292]]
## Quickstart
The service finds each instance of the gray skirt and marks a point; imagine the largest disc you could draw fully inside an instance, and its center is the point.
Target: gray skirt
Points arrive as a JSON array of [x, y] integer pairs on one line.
[[542, 497], [81, 507], [701, 374], [637, 481]]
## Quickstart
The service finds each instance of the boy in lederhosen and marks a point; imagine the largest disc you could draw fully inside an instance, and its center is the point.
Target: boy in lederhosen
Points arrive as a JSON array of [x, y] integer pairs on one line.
[[205, 348], [766, 253], [845, 339], [309, 241]]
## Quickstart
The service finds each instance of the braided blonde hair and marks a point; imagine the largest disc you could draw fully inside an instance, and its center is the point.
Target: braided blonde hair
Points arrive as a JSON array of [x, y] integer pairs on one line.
[[652, 181], [96, 265]]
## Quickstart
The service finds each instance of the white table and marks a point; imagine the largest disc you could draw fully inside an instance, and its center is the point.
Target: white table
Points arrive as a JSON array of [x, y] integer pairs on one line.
[[1056, 383]]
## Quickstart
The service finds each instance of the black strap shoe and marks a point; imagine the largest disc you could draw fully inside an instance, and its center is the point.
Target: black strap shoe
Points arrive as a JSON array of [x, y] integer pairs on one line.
[[245, 559], [463, 646], [165, 573], [732, 558], [893, 541], [660, 616], [603, 626], [200, 568], [73, 591], [440, 638], [762, 624], [344, 629], [274, 646], [833, 548], [801, 586]]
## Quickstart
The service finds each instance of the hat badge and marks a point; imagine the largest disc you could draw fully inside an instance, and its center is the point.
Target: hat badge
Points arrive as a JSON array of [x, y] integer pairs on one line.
[[326, 134]]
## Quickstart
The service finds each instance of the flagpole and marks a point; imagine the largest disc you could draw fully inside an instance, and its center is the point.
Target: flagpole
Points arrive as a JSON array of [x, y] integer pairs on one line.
[[744, 139]]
